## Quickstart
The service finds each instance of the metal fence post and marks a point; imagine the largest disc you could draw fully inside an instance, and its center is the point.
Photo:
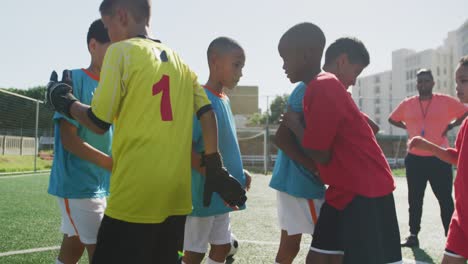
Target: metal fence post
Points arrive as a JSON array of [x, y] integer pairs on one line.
[[36, 141]]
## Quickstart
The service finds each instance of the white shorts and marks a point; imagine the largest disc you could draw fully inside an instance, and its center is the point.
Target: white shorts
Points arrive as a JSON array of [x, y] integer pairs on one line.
[[297, 215], [82, 217], [201, 231]]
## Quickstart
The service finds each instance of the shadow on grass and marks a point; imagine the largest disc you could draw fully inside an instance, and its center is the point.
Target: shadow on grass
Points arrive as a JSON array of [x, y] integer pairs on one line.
[[421, 255]]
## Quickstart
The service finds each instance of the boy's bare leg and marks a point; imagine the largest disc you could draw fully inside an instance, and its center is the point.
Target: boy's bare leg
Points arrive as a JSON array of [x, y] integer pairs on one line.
[[219, 253], [335, 259], [90, 249], [71, 250], [288, 248], [191, 257], [453, 260]]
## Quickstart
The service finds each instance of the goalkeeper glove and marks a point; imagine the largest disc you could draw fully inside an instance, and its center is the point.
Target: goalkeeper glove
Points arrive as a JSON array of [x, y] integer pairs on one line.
[[59, 95], [218, 180]]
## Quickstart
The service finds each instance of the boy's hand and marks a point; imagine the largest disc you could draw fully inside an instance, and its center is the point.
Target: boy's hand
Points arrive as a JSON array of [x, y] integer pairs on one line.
[[218, 180], [418, 142], [291, 119], [59, 95], [248, 180]]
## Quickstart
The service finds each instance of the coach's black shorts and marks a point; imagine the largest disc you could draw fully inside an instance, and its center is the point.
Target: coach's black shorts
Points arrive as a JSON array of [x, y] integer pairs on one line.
[[120, 242], [366, 230]]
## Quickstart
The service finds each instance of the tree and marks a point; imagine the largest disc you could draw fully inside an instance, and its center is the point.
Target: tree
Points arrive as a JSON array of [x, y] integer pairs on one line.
[[277, 107], [37, 92]]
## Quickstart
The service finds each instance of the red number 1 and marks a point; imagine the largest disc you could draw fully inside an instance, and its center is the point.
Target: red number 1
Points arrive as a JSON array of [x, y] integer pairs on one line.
[[163, 86]]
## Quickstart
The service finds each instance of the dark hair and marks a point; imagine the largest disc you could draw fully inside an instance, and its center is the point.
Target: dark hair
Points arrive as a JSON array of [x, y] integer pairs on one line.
[[305, 34], [425, 72], [222, 45], [463, 61], [140, 9], [353, 47], [98, 32]]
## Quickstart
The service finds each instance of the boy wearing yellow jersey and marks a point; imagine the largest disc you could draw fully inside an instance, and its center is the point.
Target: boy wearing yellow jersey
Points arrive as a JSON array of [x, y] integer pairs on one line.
[[147, 93]]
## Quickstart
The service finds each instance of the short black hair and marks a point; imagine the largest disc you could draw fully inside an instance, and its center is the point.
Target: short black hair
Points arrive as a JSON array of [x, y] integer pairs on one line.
[[305, 35], [425, 72], [222, 45], [463, 61], [353, 47], [98, 32], [140, 9]]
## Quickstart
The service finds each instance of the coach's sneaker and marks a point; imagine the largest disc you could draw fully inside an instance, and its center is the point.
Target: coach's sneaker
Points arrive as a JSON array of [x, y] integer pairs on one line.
[[410, 241]]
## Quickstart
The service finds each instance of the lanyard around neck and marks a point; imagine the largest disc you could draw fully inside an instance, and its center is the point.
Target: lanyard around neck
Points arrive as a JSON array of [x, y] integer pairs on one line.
[[424, 114]]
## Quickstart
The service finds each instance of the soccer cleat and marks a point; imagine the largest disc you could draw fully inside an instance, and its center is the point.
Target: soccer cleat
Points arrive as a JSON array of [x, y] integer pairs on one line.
[[410, 241]]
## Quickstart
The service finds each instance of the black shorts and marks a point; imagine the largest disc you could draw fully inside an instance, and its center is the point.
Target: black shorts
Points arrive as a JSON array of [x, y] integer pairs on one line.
[[328, 230], [122, 242], [366, 230]]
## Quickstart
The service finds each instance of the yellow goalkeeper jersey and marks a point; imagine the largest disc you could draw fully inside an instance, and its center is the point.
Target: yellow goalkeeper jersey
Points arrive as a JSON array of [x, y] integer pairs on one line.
[[150, 96]]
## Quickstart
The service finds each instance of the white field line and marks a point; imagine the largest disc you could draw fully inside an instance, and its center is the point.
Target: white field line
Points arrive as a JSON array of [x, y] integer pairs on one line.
[[28, 251]]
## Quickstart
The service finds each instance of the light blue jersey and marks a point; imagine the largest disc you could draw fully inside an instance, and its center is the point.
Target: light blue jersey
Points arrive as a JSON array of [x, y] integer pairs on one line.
[[72, 177], [288, 176], [229, 149]]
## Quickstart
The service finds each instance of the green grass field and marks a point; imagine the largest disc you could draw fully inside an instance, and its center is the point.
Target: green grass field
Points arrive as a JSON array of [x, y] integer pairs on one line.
[[16, 163], [30, 220]]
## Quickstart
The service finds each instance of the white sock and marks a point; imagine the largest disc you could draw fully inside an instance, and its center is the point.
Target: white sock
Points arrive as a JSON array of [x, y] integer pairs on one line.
[[58, 261], [210, 261]]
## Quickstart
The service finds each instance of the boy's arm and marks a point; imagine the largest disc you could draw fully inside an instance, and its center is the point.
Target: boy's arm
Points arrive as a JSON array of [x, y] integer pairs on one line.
[[292, 120], [399, 124], [375, 128], [286, 141], [85, 116], [209, 132], [447, 155], [456, 123], [196, 161], [75, 145]]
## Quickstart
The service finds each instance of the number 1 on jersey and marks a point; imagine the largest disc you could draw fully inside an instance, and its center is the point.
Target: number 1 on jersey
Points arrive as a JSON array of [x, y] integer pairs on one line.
[[163, 86]]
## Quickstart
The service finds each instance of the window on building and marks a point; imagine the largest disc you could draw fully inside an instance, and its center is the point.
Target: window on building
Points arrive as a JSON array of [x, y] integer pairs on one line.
[[377, 89], [445, 71], [377, 110], [377, 79], [377, 100], [438, 71], [377, 120]]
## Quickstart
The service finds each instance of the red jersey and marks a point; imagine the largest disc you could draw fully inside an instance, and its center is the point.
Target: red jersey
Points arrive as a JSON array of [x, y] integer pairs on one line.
[[333, 122], [457, 238]]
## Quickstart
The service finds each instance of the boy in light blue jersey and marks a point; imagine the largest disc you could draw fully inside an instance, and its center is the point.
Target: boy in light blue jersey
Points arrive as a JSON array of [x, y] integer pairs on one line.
[[82, 163], [211, 224], [300, 192]]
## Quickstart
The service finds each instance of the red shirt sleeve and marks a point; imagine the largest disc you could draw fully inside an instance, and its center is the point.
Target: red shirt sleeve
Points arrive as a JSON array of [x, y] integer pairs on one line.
[[324, 104]]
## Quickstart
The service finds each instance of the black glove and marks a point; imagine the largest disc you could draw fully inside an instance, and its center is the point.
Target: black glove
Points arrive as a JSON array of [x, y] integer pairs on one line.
[[59, 95], [218, 180]]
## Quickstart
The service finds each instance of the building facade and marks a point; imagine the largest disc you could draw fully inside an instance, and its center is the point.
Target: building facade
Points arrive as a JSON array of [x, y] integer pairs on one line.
[[378, 94]]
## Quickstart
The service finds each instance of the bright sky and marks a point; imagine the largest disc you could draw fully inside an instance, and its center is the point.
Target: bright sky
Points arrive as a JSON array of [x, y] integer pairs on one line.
[[39, 36]]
